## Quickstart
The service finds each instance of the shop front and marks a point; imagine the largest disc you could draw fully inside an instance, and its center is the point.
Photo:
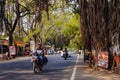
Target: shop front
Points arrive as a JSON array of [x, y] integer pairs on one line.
[[19, 47]]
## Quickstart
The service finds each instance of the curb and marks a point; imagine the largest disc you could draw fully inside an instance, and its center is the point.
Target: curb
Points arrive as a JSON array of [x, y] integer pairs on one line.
[[17, 58]]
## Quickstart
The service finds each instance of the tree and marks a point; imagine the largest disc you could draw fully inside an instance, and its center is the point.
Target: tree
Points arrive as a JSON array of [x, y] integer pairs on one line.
[[13, 12], [76, 42], [16, 9], [34, 22], [99, 21], [2, 12], [72, 31]]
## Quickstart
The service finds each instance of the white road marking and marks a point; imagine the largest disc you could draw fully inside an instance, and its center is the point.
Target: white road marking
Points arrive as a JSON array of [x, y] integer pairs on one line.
[[74, 70]]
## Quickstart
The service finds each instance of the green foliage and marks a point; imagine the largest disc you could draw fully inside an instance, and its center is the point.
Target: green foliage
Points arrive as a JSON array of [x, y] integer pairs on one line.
[[27, 4], [72, 29], [76, 43], [62, 21], [3, 36]]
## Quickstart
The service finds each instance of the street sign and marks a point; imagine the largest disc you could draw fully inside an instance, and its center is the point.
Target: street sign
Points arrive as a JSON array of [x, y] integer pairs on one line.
[[103, 59], [12, 50]]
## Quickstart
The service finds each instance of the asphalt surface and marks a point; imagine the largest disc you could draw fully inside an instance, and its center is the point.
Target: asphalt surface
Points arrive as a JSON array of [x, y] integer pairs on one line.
[[21, 69], [57, 69]]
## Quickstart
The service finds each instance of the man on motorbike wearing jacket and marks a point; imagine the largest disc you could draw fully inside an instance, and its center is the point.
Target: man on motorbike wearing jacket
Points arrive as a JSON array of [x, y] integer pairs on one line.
[[40, 53]]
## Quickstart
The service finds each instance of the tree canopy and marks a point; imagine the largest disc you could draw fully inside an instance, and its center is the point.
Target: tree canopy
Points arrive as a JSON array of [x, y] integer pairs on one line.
[[44, 21]]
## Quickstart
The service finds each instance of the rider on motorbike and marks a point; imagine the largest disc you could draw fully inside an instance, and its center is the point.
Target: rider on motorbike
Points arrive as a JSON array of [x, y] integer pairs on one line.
[[40, 53], [66, 53], [38, 59]]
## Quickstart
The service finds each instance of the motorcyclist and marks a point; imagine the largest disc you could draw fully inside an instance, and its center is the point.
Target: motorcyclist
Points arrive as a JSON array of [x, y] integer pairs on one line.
[[66, 53], [40, 53], [38, 59]]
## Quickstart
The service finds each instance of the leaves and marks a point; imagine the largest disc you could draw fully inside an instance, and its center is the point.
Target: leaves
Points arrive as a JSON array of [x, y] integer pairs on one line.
[[72, 30], [32, 22], [72, 26]]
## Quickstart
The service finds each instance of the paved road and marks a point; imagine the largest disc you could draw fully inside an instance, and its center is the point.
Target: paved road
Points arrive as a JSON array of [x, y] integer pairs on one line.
[[56, 69]]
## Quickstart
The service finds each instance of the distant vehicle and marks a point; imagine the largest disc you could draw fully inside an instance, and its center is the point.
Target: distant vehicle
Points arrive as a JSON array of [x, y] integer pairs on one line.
[[50, 52], [80, 52], [62, 54]]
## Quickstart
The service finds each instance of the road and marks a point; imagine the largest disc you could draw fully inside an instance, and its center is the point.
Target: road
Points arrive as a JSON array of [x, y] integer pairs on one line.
[[56, 69]]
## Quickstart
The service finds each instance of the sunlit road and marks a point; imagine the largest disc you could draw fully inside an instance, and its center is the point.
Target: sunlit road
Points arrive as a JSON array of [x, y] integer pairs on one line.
[[56, 69]]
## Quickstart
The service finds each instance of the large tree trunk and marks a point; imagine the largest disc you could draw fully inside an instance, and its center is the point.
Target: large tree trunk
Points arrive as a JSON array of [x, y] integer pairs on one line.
[[86, 38], [2, 11], [10, 38], [100, 19], [10, 41]]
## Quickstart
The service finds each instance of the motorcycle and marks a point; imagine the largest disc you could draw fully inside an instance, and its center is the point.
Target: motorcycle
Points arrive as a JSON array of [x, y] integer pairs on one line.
[[65, 56], [37, 64]]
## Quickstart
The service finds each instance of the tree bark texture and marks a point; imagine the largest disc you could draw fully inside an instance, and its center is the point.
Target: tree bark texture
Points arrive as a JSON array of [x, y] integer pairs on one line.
[[100, 21], [99, 18], [2, 11]]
